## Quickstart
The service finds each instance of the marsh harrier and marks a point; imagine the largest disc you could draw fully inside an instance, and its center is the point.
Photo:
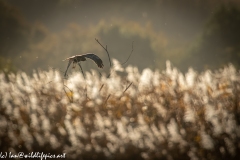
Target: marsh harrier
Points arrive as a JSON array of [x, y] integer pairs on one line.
[[77, 58]]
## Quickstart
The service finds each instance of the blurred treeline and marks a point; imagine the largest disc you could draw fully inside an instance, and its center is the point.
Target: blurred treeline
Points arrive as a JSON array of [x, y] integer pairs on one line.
[[31, 44]]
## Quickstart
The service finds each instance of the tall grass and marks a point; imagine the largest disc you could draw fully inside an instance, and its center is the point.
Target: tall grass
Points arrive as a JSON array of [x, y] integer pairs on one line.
[[148, 115]]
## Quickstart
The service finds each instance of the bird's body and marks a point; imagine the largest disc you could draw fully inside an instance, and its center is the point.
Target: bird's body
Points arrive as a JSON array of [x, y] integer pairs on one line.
[[77, 58]]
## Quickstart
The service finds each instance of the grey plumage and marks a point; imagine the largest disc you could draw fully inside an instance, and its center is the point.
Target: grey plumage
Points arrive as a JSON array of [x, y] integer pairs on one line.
[[77, 58]]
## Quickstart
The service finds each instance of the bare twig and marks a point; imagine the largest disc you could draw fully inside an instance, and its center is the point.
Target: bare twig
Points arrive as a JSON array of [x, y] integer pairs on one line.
[[85, 89], [127, 87], [129, 55], [107, 98], [81, 70], [105, 48], [101, 87], [99, 73], [70, 99], [123, 62], [67, 87], [49, 82]]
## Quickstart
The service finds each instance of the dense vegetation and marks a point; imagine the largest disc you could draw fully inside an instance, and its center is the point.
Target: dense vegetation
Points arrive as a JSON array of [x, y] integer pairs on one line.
[[148, 115]]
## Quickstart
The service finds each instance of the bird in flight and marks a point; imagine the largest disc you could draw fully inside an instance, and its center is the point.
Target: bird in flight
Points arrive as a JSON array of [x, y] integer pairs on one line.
[[77, 58]]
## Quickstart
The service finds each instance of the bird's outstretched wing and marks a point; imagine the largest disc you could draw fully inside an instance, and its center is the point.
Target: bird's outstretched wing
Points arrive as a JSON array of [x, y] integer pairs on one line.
[[72, 57], [95, 58]]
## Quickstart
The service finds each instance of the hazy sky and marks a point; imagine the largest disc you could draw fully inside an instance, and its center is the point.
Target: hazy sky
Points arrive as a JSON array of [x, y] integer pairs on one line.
[[174, 17], [169, 15], [165, 26]]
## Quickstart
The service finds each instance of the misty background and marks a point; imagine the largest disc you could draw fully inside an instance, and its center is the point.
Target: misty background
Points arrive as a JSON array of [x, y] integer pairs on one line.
[[202, 34]]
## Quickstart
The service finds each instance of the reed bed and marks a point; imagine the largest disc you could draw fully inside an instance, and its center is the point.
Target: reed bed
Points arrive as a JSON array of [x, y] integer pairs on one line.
[[130, 115]]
